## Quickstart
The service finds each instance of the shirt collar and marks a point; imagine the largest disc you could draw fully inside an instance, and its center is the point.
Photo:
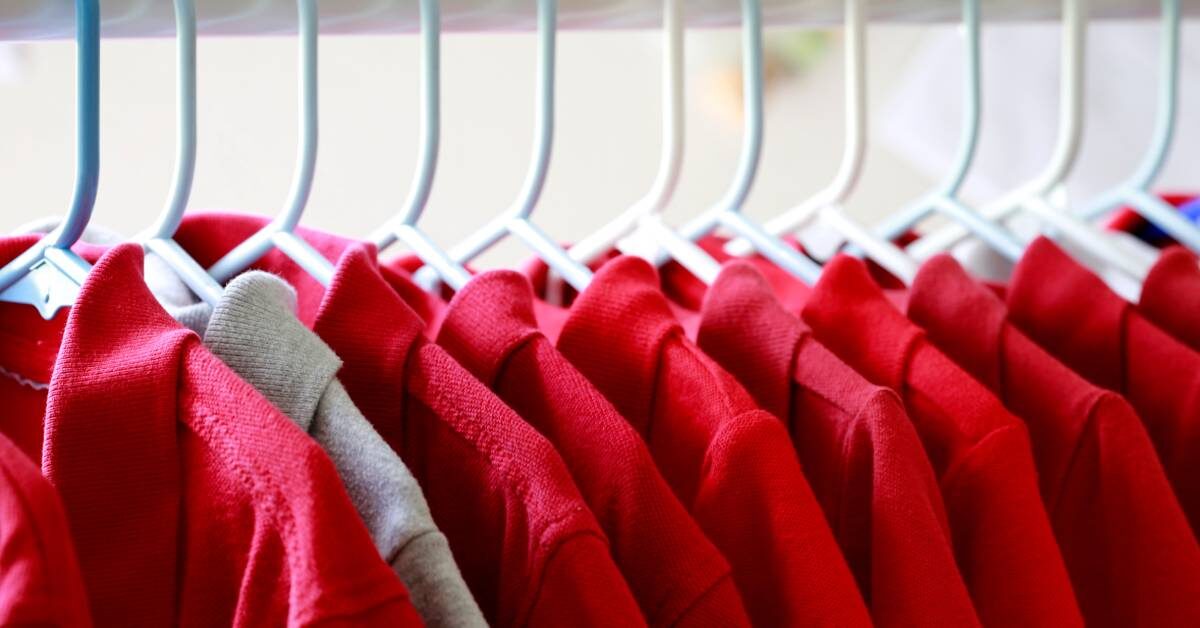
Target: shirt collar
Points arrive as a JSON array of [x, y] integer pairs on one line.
[[111, 428], [491, 317], [743, 323], [617, 325], [962, 317], [1070, 311], [254, 329], [370, 327], [850, 314]]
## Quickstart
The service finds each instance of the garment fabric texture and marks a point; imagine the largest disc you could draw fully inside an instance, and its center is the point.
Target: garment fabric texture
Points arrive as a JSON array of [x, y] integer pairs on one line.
[[858, 448], [1003, 540], [1132, 557], [191, 499], [40, 581], [254, 330], [526, 544], [727, 460], [1171, 293], [1071, 313], [677, 575]]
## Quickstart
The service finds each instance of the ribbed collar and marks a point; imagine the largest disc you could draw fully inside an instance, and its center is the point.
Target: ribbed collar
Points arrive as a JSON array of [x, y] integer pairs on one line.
[[255, 331], [964, 319], [489, 319]]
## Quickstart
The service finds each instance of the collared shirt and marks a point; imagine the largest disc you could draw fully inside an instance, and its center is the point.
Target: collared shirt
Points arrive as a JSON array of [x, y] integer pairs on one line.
[[1002, 536], [528, 547], [40, 583], [255, 331], [191, 499], [858, 448], [730, 462], [1126, 542], [1071, 313], [678, 576]]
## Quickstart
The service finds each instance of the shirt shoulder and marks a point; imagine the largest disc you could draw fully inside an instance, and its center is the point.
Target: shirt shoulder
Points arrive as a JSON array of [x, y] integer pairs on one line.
[[282, 501]]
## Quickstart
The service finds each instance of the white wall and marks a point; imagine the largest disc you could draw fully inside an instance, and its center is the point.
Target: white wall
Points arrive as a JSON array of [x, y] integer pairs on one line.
[[605, 151]]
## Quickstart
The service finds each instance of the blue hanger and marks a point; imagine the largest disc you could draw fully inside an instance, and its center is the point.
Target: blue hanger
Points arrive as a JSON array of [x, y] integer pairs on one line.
[[944, 198], [280, 232], [161, 236], [48, 275], [1135, 192], [515, 220], [404, 226]]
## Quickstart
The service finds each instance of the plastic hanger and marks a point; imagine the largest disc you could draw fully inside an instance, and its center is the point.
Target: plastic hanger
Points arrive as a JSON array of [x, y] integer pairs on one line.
[[944, 198], [404, 226], [827, 204], [49, 275], [1135, 192], [1037, 196], [280, 232], [644, 218], [728, 210], [515, 220], [161, 236]]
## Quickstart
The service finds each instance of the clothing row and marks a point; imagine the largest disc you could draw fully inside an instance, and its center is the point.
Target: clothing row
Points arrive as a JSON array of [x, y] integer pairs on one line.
[[651, 451]]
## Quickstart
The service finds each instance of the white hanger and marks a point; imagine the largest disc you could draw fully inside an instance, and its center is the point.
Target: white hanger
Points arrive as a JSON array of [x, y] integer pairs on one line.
[[728, 211], [280, 232], [644, 218], [161, 236], [515, 220], [1135, 192], [944, 198], [1036, 195], [404, 226], [828, 203], [49, 274]]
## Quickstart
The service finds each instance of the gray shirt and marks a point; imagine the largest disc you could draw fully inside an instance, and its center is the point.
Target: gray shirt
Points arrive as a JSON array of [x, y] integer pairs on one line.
[[255, 331]]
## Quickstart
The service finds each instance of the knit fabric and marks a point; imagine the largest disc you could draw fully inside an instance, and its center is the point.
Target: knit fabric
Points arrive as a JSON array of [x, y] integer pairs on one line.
[[1071, 313], [190, 498], [526, 543], [860, 452], [677, 575], [1126, 542], [729, 462], [255, 331], [1171, 293], [40, 583], [1003, 541]]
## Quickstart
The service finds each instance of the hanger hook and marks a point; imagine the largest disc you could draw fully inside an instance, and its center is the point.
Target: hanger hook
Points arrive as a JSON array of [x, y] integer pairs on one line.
[[404, 226], [280, 232], [53, 251]]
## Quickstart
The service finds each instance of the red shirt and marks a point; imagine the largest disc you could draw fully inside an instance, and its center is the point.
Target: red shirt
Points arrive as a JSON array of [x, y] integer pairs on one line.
[[727, 460], [191, 499], [1072, 314], [1131, 555], [1171, 294], [526, 543], [859, 450], [40, 583], [677, 575], [1002, 537]]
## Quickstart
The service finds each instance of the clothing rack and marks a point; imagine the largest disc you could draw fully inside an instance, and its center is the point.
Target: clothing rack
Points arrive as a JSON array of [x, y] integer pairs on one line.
[[54, 19]]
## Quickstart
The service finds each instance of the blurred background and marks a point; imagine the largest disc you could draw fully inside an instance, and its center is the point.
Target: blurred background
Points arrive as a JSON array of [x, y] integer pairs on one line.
[[608, 116]]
